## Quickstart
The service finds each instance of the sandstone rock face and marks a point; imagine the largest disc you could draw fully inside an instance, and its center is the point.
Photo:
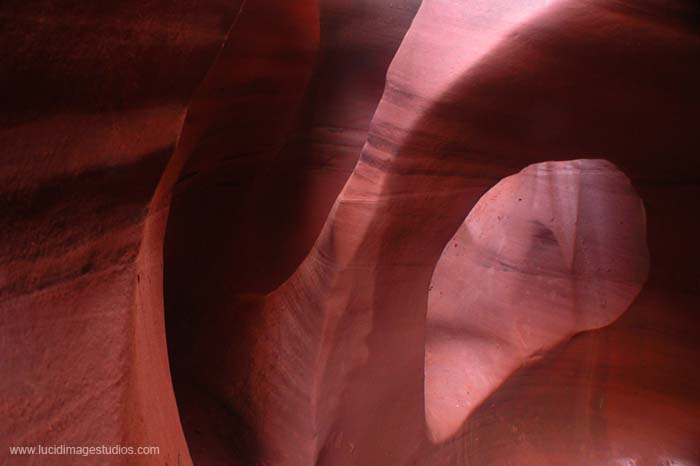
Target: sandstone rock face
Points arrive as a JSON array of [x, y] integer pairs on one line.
[[555, 250], [94, 96], [377, 232]]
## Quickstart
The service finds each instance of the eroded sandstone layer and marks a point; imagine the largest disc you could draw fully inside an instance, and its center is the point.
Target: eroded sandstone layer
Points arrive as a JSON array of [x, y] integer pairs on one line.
[[558, 249], [447, 232]]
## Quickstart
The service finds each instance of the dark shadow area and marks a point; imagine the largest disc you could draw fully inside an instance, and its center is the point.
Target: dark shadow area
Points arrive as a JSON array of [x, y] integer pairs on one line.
[[256, 191]]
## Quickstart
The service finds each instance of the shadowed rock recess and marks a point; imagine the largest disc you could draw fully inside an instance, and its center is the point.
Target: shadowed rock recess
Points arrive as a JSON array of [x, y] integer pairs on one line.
[[375, 232]]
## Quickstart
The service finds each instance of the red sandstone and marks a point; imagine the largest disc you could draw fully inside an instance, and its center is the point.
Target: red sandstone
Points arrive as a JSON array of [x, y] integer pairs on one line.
[[376, 233]]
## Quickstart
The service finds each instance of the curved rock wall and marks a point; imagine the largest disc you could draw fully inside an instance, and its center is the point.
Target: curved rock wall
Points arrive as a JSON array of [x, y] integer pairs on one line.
[[94, 97], [291, 180], [558, 249]]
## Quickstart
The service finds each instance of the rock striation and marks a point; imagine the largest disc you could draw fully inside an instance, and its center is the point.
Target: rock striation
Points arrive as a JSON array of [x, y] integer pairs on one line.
[[375, 232]]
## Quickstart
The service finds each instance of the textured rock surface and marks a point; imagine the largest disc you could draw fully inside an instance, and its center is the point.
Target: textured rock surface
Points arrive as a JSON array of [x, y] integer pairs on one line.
[[250, 206], [94, 96], [322, 159]]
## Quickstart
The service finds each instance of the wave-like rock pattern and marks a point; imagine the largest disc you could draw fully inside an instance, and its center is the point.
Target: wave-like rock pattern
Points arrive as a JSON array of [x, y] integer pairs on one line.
[[291, 179]]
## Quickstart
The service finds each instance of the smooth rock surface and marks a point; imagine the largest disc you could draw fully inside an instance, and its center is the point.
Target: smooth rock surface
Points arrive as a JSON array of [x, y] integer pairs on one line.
[[558, 249], [282, 185], [93, 100]]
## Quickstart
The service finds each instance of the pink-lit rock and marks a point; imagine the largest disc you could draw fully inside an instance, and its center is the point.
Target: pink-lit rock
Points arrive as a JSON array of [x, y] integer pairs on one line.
[[290, 176], [557, 249]]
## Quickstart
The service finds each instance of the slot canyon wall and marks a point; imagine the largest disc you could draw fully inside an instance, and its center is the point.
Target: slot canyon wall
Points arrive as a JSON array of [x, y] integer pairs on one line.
[[375, 232]]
